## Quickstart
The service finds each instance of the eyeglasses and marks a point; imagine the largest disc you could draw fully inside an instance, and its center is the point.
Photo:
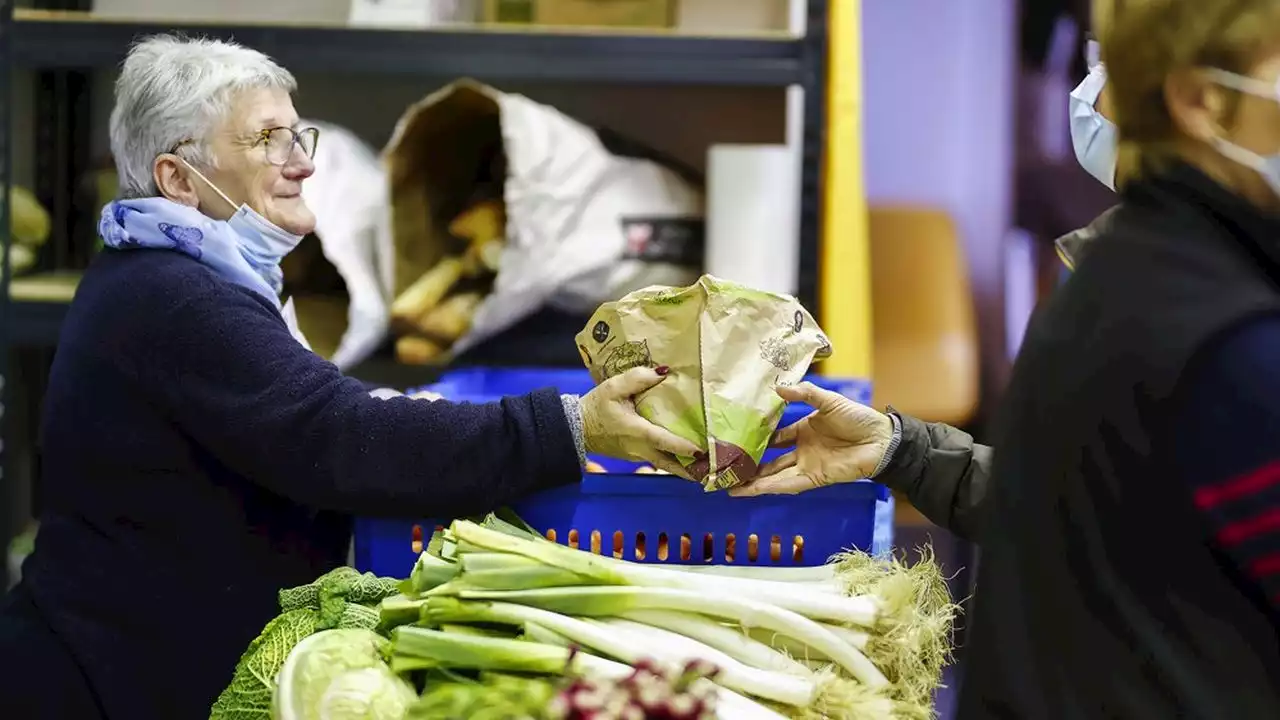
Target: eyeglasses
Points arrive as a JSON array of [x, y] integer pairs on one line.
[[279, 142]]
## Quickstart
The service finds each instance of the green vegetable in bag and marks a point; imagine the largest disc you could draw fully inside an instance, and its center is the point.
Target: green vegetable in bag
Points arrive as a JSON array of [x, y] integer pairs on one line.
[[728, 348]]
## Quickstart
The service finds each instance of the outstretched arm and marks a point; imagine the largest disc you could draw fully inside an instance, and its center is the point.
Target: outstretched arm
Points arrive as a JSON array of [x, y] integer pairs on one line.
[[942, 471]]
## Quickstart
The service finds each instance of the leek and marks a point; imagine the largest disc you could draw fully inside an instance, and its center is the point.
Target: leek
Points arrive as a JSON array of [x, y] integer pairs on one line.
[[729, 704], [398, 610], [862, 610], [734, 643], [416, 648], [798, 691], [428, 572], [626, 646], [607, 601]]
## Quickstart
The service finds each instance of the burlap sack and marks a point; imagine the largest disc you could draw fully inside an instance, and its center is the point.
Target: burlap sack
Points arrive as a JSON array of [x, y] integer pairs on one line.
[[728, 347]]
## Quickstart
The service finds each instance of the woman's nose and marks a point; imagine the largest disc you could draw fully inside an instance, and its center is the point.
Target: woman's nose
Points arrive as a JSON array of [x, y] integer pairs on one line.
[[300, 165]]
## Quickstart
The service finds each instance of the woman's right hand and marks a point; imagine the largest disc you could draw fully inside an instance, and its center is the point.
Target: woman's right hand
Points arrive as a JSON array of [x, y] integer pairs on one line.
[[842, 441], [612, 427]]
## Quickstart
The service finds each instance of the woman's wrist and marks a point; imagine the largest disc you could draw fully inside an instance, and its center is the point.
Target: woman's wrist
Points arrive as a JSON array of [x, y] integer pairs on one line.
[[573, 413], [895, 440]]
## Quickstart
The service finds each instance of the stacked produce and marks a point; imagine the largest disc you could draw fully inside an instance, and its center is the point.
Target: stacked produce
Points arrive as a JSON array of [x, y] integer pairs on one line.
[[436, 311], [29, 228], [497, 622], [343, 599]]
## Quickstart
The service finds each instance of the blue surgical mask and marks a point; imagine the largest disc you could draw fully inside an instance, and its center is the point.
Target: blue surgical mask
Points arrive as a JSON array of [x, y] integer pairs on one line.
[[1268, 166], [261, 238], [1093, 136]]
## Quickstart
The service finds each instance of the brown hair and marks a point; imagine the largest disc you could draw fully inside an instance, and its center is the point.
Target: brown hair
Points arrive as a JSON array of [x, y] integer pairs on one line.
[[1144, 41]]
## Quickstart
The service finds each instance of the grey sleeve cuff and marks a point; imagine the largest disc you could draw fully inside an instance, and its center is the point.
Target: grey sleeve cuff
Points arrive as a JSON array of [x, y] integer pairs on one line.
[[573, 413], [894, 441]]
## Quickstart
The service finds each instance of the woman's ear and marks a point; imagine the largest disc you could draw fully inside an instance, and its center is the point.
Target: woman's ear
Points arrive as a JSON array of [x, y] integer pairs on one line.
[[173, 181], [1196, 105]]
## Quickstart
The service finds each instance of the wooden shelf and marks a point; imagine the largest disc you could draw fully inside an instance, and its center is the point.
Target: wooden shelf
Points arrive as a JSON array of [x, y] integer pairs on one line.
[[53, 39]]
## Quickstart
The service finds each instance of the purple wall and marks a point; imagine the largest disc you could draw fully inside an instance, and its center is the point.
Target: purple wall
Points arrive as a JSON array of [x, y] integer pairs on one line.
[[940, 79]]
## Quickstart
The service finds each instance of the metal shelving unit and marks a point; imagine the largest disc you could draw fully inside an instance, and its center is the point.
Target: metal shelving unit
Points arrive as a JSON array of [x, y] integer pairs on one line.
[[65, 45]]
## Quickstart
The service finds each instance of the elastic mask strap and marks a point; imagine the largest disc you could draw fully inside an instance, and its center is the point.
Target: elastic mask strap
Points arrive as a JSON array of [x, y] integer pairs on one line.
[[1244, 84], [234, 207]]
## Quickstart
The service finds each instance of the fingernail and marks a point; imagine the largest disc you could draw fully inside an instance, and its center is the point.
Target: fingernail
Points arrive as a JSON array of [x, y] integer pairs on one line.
[[662, 369]]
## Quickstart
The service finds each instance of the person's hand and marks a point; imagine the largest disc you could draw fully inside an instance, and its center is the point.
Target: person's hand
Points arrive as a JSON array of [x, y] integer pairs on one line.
[[842, 441], [426, 395], [611, 426]]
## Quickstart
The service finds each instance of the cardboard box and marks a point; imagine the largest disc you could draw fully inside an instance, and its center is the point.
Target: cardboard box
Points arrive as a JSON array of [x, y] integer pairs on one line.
[[600, 13]]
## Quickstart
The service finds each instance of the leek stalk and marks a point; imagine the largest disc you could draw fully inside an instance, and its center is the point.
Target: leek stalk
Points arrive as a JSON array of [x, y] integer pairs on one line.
[[729, 704], [734, 643], [863, 611], [623, 645], [614, 601]]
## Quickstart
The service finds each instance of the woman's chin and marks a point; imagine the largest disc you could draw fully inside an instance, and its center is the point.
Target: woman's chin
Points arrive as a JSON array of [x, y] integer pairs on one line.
[[296, 220]]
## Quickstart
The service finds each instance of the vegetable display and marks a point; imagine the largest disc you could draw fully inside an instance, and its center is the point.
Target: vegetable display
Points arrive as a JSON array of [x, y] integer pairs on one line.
[[495, 621]]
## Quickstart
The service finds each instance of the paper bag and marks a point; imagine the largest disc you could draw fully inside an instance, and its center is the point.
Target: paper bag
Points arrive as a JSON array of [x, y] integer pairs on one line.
[[578, 223], [728, 347]]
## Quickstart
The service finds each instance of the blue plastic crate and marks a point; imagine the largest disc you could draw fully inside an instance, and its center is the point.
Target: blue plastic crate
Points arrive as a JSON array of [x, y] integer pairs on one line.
[[659, 518], [663, 519]]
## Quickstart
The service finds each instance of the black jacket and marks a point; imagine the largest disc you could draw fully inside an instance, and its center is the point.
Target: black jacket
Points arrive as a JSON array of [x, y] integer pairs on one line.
[[942, 471], [1099, 592]]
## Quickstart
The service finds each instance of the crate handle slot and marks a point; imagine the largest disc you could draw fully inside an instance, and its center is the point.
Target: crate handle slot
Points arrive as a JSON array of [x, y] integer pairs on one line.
[[777, 552]]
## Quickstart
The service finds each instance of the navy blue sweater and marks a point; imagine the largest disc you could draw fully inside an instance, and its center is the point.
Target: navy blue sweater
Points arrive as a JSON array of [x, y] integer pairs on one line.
[[1228, 425], [197, 459]]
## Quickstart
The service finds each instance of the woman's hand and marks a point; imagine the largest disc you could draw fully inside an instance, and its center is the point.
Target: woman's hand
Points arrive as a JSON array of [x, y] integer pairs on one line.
[[842, 441], [611, 426]]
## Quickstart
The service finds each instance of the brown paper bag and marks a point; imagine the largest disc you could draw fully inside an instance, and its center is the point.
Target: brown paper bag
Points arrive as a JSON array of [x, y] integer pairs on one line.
[[728, 347]]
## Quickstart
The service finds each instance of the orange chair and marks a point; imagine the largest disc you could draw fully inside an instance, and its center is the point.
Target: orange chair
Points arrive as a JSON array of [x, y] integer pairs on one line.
[[925, 348], [925, 341]]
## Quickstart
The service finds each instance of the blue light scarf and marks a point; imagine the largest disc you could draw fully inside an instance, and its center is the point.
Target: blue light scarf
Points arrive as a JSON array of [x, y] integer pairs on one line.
[[160, 224]]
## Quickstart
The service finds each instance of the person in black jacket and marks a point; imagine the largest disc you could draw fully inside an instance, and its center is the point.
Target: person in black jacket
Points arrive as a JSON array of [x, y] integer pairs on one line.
[[197, 457], [1131, 529]]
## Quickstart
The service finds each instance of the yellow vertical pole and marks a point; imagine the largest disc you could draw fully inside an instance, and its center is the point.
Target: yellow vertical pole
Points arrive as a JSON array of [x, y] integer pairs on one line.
[[844, 290]]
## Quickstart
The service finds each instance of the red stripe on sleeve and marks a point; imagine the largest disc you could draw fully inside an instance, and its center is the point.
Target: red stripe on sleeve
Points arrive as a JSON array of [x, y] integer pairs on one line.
[[1239, 487], [1237, 532], [1265, 565]]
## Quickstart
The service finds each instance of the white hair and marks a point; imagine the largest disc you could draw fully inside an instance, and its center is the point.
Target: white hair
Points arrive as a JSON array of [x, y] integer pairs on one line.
[[175, 90]]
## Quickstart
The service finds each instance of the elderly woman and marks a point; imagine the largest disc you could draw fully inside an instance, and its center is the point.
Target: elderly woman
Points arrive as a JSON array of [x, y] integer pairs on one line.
[[197, 457]]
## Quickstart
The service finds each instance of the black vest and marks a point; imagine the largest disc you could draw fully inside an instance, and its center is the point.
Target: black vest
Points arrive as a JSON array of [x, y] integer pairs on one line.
[[1098, 594]]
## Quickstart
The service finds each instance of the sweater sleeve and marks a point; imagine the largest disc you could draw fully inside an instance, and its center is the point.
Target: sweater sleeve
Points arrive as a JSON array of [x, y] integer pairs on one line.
[[1226, 446], [943, 472], [235, 381]]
